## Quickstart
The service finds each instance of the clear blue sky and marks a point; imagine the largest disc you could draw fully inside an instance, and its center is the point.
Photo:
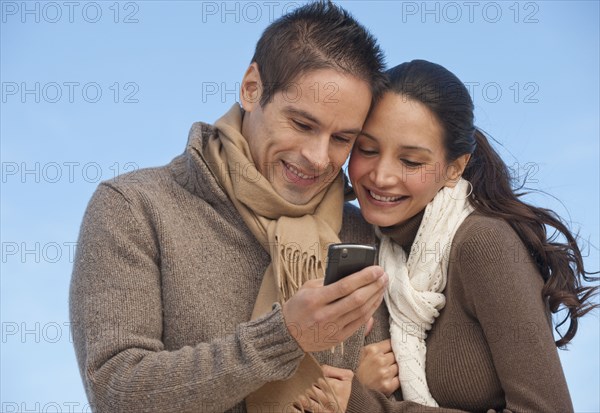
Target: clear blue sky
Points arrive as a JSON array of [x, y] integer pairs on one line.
[[94, 89]]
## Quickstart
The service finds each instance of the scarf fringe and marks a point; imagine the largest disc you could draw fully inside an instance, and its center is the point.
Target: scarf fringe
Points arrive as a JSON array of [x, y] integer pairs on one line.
[[297, 267], [289, 228]]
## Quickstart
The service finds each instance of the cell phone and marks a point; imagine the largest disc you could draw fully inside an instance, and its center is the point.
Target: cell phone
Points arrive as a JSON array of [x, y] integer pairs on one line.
[[346, 259]]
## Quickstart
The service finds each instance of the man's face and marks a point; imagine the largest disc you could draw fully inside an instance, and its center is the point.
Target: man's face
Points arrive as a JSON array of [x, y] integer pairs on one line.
[[302, 137]]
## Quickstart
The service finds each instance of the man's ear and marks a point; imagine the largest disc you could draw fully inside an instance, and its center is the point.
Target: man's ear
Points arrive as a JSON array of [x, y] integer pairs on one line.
[[251, 88], [455, 169]]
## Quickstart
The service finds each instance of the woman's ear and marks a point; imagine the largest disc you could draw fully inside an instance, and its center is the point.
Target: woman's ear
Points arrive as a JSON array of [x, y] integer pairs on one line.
[[455, 169], [251, 88]]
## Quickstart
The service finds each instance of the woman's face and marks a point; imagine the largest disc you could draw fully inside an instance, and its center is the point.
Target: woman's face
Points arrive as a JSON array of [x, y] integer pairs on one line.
[[398, 163]]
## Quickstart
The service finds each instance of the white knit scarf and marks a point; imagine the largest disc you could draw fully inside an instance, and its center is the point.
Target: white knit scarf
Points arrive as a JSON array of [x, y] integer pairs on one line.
[[414, 296]]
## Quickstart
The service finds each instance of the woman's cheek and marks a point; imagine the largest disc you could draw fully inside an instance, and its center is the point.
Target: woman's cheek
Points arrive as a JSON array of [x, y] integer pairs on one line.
[[354, 168]]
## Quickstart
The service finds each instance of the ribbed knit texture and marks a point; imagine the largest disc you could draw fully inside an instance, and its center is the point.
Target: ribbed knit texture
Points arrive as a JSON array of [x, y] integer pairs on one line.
[[492, 345], [164, 282]]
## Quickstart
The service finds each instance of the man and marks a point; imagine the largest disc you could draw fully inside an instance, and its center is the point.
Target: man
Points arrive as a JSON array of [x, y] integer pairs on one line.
[[197, 283]]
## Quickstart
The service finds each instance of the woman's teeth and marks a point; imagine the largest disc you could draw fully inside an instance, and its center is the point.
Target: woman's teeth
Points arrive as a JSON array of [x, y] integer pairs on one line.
[[384, 198]]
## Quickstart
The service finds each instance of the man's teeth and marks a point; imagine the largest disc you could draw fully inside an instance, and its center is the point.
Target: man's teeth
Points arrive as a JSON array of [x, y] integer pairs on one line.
[[297, 172], [384, 198]]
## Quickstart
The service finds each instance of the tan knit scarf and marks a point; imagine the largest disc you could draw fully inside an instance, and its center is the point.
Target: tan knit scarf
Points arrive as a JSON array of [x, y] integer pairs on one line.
[[294, 236]]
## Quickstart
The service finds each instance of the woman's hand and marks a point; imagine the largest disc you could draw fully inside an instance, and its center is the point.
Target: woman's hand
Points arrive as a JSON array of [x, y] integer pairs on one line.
[[377, 368], [319, 398]]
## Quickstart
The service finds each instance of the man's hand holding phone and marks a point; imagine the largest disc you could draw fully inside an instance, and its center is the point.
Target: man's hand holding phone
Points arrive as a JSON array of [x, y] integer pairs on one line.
[[320, 317]]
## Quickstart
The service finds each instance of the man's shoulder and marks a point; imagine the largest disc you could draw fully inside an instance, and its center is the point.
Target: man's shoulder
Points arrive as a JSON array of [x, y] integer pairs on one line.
[[354, 227], [181, 171], [352, 212], [140, 179]]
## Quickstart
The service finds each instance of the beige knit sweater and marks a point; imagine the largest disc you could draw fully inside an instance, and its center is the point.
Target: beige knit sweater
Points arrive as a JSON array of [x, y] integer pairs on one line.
[[164, 283], [166, 276]]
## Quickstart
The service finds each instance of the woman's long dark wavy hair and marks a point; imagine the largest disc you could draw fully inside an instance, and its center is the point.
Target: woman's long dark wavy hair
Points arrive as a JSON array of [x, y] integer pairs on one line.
[[560, 263]]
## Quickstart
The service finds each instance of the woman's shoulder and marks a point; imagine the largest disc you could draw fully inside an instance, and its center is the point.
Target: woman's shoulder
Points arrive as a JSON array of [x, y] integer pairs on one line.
[[485, 229], [485, 242], [478, 220]]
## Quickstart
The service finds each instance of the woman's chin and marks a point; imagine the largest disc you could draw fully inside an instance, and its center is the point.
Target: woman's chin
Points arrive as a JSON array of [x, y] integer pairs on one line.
[[380, 220]]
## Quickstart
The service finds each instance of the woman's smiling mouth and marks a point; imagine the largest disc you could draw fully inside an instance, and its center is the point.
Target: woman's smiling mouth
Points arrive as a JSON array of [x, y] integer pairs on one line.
[[387, 199]]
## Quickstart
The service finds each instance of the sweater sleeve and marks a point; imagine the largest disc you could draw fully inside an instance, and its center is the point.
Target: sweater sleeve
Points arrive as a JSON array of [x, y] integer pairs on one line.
[[502, 288], [116, 315]]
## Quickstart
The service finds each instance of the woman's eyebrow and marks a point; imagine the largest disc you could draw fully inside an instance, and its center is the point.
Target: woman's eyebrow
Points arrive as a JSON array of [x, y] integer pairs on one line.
[[415, 148], [365, 134], [403, 147]]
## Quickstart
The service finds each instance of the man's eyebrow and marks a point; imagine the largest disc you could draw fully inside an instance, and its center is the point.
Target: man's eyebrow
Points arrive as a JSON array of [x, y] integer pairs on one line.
[[405, 147], [303, 114]]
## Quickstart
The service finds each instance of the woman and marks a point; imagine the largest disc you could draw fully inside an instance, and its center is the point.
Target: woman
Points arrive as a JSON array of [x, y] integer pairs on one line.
[[474, 272]]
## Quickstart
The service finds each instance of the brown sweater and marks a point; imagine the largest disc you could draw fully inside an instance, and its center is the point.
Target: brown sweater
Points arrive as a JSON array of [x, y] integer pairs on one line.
[[164, 283], [165, 279], [492, 345]]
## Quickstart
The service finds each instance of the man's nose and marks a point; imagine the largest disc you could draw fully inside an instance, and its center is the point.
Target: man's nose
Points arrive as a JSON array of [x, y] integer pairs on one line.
[[316, 151]]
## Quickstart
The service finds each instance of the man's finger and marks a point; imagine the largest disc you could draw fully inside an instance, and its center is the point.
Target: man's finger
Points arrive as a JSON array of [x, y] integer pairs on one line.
[[336, 372], [369, 326], [359, 299], [359, 307], [351, 283]]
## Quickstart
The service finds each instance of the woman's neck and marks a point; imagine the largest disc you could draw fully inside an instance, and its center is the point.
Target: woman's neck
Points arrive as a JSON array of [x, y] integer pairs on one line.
[[404, 233]]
